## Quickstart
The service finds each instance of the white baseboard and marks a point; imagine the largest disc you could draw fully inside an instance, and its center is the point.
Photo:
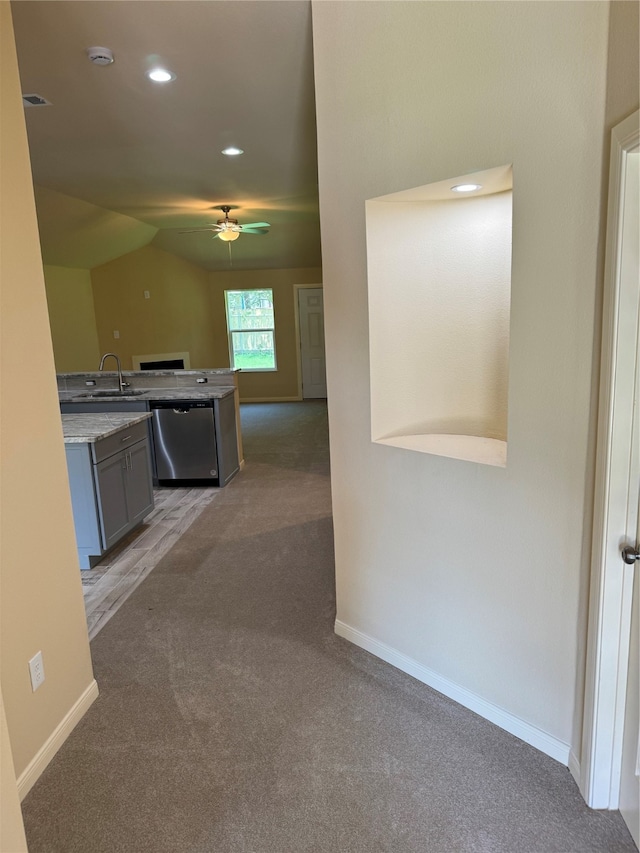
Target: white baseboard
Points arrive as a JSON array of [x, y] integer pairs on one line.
[[509, 722], [270, 399], [43, 756], [574, 768]]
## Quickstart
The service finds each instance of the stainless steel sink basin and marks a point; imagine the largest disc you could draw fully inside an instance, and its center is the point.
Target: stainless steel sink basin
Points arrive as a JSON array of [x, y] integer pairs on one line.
[[116, 394]]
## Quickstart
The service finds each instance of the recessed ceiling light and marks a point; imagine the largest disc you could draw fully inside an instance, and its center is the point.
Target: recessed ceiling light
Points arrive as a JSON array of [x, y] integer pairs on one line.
[[232, 151], [160, 75], [466, 188]]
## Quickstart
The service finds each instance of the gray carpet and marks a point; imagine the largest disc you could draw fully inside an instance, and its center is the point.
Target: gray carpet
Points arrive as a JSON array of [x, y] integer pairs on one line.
[[232, 720]]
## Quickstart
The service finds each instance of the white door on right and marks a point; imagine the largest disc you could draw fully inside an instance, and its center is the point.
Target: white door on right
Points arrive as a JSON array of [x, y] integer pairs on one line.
[[312, 357], [630, 775], [629, 802]]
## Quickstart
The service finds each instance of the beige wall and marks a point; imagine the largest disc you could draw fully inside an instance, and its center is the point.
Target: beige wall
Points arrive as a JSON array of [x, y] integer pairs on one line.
[[176, 317], [622, 73], [72, 318], [12, 838], [470, 572], [186, 312], [42, 606], [283, 383]]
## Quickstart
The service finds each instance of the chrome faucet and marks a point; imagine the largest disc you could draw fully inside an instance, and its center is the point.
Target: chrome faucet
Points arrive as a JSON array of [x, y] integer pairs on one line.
[[121, 381]]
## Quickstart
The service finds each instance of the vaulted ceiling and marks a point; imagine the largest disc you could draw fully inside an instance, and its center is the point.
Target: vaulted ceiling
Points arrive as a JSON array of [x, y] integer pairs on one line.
[[119, 161]]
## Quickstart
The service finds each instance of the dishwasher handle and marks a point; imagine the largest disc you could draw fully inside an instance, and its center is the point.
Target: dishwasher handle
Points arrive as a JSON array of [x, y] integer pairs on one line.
[[181, 406]]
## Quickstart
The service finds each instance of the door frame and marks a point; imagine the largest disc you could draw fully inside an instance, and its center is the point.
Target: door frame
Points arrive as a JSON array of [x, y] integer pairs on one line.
[[611, 591], [296, 290]]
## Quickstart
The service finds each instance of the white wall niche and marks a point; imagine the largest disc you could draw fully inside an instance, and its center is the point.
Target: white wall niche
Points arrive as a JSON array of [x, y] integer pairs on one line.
[[439, 286]]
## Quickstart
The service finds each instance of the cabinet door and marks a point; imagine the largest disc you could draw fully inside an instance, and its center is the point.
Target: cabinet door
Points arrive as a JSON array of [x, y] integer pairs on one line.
[[112, 503], [83, 503], [138, 479]]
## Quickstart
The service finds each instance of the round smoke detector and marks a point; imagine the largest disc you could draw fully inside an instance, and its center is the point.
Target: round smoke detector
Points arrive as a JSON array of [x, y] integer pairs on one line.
[[100, 55]]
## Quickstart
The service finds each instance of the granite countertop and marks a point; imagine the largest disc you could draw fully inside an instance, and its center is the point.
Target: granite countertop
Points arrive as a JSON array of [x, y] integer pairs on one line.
[[206, 371], [214, 392], [80, 429]]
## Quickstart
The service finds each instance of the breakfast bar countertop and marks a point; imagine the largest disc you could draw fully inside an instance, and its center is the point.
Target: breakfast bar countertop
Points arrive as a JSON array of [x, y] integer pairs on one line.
[[82, 429], [213, 392]]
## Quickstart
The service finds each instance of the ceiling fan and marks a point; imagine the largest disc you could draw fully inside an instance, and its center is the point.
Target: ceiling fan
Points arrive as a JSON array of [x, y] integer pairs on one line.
[[228, 229]]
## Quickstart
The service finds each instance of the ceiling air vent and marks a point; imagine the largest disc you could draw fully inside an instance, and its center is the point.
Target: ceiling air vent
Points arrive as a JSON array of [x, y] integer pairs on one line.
[[35, 101]]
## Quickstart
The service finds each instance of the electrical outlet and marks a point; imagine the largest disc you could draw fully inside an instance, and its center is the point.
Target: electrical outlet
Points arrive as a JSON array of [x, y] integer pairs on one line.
[[36, 670], [116, 335], [147, 295]]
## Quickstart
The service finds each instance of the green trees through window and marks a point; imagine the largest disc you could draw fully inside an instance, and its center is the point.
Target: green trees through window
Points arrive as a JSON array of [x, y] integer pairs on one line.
[[251, 326]]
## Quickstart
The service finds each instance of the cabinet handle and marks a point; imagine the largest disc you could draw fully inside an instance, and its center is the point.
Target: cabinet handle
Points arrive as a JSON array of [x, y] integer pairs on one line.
[[126, 438]]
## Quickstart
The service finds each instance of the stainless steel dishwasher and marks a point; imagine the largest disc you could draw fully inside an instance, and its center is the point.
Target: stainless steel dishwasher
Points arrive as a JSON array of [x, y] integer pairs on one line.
[[195, 440]]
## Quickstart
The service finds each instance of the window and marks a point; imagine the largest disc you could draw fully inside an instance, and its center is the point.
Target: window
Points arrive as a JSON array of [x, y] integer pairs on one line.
[[251, 329]]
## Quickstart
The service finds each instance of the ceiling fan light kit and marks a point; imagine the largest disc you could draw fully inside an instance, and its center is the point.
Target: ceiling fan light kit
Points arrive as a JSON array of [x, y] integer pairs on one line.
[[228, 235]]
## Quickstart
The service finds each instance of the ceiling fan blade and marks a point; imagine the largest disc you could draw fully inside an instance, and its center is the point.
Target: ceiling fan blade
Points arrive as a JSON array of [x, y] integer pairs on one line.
[[256, 225], [195, 231], [255, 231]]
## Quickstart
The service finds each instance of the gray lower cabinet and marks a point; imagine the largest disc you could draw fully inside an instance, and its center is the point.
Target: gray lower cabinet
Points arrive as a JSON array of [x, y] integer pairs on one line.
[[111, 490], [89, 408]]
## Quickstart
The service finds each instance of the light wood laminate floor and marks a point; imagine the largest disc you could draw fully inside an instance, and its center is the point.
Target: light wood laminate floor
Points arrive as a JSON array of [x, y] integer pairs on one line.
[[113, 579]]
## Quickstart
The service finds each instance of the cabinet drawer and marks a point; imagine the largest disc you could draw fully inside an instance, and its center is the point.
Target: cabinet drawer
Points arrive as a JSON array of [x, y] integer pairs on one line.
[[120, 440], [92, 406]]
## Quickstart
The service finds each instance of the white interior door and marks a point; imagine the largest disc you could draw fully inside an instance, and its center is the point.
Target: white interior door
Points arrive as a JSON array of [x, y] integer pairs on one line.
[[609, 760], [630, 772], [312, 358], [629, 802]]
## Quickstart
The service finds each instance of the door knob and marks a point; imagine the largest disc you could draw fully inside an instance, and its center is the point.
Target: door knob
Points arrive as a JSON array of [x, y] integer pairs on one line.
[[630, 554]]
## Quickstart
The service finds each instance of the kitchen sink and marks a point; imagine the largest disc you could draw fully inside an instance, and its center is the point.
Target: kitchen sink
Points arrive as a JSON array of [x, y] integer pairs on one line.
[[127, 393]]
